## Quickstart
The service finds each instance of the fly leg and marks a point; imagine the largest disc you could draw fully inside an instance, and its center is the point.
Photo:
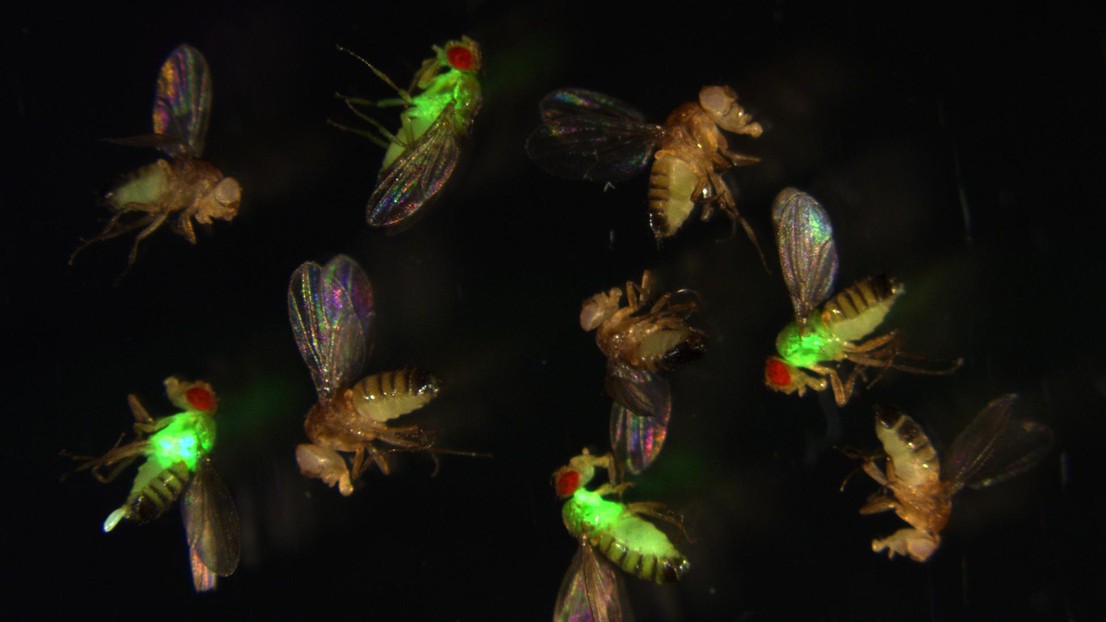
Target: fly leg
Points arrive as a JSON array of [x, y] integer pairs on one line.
[[404, 97], [659, 511], [113, 230], [841, 391], [717, 193]]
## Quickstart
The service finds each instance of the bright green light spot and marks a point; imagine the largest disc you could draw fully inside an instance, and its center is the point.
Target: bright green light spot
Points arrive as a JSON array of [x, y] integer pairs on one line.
[[814, 345], [587, 513], [188, 437]]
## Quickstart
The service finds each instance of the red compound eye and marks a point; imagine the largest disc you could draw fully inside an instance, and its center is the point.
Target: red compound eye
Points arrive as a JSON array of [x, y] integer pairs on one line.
[[200, 399], [567, 483], [460, 57], [776, 372]]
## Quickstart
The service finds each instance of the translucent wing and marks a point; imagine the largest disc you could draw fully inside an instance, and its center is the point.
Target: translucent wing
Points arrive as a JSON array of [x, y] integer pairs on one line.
[[591, 591], [995, 447], [211, 526], [417, 175], [808, 256], [325, 321], [644, 392], [182, 105], [592, 136], [343, 272], [637, 440]]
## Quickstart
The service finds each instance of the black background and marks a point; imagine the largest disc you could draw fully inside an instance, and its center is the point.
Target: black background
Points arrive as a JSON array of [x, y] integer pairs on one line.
[[959, 149]]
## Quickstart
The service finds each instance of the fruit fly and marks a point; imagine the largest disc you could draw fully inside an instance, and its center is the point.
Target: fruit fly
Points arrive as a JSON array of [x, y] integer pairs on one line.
[[176, 450], [438, 109], [650, 334], [818, 338], [183, 187], [591, 591], [595, 137], [332, 315], [920, 488], [615, 529]]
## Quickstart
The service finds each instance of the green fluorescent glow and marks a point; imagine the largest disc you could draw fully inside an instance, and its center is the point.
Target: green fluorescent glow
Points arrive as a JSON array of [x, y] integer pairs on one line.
[[188, 437], [452, 86], [816, 344], [588, 514]]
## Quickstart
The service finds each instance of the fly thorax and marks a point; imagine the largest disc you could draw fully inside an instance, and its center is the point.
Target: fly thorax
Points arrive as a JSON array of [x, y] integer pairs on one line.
[[808, 346]]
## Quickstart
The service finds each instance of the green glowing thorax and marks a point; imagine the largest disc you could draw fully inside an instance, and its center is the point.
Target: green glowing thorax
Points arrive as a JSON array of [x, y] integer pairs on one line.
[[184, 437], [588, 514], [449, 87], [817, 343], [145, 187]]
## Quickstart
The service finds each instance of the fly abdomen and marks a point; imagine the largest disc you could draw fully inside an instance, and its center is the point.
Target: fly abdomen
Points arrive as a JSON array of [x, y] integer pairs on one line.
[[856, 310], [152, 495], [390, 394], [648, 566], [907, 446], [672, 183]]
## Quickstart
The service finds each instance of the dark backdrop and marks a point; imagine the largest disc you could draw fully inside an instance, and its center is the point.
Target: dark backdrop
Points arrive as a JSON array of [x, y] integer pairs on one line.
[[959, 149]]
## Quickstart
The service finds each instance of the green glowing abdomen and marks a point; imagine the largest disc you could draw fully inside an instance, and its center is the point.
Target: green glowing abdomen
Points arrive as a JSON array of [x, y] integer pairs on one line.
[[631, 542], [146, 187]]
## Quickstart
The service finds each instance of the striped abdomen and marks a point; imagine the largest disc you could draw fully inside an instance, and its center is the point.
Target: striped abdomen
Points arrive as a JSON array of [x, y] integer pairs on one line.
[[858, 309], [390, 394], [673, 182], [908, 448], [631, 542], [158, 493], [642, 564]]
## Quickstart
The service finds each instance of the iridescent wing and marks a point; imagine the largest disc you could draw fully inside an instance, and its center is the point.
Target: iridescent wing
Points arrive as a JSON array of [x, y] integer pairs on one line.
[[211, 526], [591, 591], [182, 105], [343, 272], [995, 447], [644, 392], [636, 439], [417, 175], [328, 324], [592, 136], [808, 256]]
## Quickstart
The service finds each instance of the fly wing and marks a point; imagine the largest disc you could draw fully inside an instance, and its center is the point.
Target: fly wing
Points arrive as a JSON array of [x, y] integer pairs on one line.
[[343, 272], [417, 175], [636, 439], [995, 447], [644, 392], [326, 324], [592, 136], [182, 105], [808, 255], [211, 525], [591, 591]]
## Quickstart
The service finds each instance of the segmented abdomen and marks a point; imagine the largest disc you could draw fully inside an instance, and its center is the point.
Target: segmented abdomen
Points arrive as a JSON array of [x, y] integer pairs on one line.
[[158, 493], [631, 542], [389, 394], [648, 566], [907, 446], [856, 310], [672, 182]]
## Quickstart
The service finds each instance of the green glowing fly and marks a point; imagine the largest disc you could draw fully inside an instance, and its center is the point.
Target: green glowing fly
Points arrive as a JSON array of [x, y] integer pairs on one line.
[[821, 337], [616, 529], [176, 450], [438, 109]]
